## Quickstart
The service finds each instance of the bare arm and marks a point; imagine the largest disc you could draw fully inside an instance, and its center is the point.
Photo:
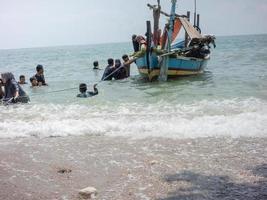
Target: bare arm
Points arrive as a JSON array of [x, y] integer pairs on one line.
[[131, 61]]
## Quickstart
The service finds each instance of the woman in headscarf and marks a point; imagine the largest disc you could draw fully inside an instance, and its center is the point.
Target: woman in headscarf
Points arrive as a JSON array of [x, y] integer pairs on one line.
[[13, 91]]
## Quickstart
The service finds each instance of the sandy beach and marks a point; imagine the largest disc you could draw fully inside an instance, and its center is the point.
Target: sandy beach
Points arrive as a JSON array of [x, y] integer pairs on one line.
[[124, 168]]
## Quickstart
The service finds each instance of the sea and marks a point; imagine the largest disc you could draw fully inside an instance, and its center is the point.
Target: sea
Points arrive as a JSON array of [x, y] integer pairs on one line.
[[228, 100]]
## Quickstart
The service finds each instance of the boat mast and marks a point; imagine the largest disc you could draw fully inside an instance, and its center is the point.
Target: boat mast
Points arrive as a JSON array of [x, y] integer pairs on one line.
[[163, 76], [171, 26], [195, 12]]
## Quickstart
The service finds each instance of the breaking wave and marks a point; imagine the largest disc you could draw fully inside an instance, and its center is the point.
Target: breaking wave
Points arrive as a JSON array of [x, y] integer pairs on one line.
[[219, 118]]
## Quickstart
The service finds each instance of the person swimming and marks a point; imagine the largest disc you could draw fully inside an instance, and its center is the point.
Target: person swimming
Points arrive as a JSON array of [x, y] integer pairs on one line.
[[84, 93], [13, 91]]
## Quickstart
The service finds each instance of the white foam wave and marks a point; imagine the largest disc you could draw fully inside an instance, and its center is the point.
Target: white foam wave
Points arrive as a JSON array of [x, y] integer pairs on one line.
[[234, 118]]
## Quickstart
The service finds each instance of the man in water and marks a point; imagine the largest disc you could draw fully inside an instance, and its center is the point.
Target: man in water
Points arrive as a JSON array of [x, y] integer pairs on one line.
[[22, 80], [120, 70], [13, 92], [126, 64], [107, 76], [84, 93], [40, 75]]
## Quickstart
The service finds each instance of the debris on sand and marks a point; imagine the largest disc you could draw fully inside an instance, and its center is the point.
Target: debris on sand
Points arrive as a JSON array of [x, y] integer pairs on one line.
[[64, 171], [88, 193]]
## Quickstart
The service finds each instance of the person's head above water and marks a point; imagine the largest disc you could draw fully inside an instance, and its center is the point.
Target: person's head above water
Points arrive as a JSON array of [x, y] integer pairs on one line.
[[125, 58], [83, 88], [33, 81], [95, 63], [110, 62], [22, 79], [117, 63], [8, 76], [39, 69]]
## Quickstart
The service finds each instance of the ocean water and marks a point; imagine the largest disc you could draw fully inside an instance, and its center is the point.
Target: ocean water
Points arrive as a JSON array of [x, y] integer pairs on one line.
[[228, 100]]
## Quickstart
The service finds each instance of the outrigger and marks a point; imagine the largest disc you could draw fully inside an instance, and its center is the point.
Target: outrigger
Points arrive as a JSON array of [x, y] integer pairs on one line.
[[160, 57]]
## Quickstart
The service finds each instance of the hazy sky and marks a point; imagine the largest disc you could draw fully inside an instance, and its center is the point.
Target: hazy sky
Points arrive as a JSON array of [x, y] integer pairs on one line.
[[34, 23]]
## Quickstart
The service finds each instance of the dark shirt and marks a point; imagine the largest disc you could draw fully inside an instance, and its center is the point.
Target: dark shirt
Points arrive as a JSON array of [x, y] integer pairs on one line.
[[121, 73], [1, 93], [107, 73], [11, 88], [136, 46], [40, 78]]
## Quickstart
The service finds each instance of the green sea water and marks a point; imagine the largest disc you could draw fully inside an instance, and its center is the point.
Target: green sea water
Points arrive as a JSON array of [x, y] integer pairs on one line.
[[232, 91]]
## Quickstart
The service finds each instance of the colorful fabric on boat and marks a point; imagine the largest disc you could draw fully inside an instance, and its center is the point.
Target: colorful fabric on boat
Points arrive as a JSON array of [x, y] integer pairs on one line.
[[176, 29]]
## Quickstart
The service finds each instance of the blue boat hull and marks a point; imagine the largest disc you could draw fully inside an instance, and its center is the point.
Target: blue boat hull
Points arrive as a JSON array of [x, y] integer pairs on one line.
[[178, 66]]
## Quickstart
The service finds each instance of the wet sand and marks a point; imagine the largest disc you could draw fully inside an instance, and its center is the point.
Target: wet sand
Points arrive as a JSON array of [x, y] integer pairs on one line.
[[124, 168]]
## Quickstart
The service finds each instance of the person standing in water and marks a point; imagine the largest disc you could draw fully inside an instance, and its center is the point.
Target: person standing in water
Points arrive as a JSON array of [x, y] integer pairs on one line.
[[13, 92], [108, 71], [120, 70], [40, 75]]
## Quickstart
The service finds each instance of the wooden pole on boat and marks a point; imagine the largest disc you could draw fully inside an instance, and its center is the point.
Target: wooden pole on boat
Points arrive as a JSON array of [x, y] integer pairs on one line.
[[198, 16], [156, 16], [164, 64], [195, 13], [186, 35], [148, 47], [164, 13]]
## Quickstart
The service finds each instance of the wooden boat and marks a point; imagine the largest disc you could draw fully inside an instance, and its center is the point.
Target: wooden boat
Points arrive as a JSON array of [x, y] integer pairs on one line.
[[160, 57]]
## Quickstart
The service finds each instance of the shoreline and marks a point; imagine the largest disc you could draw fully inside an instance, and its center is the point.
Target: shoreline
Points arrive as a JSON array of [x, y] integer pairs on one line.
[[124, 168]]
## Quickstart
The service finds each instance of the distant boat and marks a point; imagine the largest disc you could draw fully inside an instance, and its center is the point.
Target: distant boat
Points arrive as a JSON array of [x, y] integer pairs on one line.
[[160, 57]]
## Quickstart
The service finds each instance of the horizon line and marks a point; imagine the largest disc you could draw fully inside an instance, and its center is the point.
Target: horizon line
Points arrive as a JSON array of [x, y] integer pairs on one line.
[[101, 43]]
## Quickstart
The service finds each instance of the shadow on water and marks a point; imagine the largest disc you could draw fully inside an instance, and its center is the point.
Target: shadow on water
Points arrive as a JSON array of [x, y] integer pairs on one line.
[[199, 186]]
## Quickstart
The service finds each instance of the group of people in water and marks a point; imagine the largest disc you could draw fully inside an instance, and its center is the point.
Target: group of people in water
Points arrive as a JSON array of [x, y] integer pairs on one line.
[[12, 92], [114, 70], [117, 70]]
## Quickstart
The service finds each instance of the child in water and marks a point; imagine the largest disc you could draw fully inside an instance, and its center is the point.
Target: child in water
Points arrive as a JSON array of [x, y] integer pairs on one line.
[[34, 82], [22, 80], [84, 93]]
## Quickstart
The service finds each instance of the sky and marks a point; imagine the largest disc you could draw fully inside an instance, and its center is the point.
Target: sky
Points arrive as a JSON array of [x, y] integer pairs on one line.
[[38, 23]]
